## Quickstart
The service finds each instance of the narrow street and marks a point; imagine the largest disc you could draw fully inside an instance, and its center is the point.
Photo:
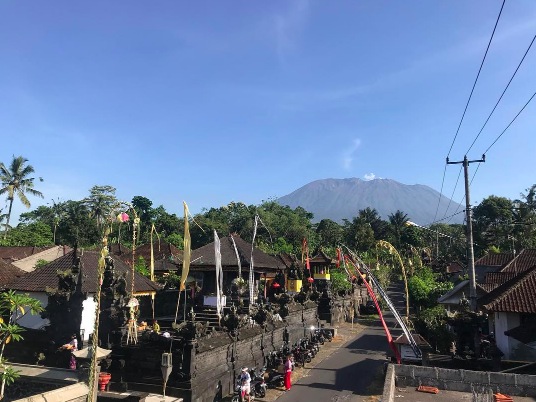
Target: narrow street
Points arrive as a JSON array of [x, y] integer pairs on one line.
[[352, 373]]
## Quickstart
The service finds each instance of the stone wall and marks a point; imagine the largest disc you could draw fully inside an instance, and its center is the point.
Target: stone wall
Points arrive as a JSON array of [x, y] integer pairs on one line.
[[216, 369], [464, 380]]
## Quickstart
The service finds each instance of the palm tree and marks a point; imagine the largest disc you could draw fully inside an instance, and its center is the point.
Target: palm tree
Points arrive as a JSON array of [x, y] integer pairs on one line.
[[101, 202], [398, 221], [16, 180]]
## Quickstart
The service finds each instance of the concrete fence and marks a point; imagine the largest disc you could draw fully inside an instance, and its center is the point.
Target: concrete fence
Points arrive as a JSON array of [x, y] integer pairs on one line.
[[457, 380]]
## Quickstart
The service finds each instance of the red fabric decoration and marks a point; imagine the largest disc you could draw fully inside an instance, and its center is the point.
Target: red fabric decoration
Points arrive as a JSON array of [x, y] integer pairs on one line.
[[310, 280]]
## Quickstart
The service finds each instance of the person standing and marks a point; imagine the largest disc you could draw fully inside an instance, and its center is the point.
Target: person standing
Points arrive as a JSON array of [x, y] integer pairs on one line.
[[288, 372], [72, 346], [245, 382]]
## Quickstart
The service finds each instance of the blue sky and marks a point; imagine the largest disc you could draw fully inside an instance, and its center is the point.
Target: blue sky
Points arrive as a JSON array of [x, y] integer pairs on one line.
[[218, 101]]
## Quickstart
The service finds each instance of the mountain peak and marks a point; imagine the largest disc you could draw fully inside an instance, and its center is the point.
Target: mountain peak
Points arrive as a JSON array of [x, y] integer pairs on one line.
[[339, 199]]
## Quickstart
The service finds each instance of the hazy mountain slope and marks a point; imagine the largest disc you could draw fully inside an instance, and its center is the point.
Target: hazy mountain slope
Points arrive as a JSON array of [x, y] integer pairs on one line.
[[339, 199]]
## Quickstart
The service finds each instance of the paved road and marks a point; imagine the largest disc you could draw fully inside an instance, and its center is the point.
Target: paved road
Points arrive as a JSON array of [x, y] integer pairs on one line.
[[347, 374]]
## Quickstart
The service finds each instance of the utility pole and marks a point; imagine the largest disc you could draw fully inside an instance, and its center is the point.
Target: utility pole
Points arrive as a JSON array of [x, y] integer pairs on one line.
[[469, 230]]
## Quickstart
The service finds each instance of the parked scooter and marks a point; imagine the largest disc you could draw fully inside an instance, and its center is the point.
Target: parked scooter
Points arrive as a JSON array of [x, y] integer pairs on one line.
[[272, 379], [237, 396], [258, 384]]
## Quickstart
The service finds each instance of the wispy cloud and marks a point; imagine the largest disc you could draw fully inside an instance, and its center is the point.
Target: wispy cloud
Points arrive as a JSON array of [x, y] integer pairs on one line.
[[349, 154], [288, 26], [369, 176]]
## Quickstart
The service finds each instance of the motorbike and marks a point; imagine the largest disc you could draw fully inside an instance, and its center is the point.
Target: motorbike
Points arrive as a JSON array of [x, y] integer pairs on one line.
[[272, 379], [237, 396], [258, 384]]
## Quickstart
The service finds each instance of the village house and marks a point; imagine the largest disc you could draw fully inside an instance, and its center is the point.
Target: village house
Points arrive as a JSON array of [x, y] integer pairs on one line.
[[45, 279]]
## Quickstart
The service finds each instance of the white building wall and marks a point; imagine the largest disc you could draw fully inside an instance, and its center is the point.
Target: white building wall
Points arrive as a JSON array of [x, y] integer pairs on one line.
[[88, 316], [35, 321], [504, 322]]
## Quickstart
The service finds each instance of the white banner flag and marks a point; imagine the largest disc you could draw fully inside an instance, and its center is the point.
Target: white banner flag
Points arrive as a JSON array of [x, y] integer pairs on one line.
[[219, 275]]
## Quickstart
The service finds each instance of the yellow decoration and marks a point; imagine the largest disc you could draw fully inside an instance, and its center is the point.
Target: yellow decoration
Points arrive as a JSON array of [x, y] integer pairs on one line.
[[294, 285], [326, 277]]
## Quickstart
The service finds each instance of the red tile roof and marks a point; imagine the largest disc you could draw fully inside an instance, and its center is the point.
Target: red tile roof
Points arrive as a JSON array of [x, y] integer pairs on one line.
[[498, 278], [47, 275], [526, 259], [8, 273], [494, 260], [516, 296], [10, 254]]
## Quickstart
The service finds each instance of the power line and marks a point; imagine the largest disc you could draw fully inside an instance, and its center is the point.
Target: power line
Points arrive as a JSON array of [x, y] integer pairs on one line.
[[453, 191], [447, 217], [440, 192], [466, 106], [498, 101], [463, 198], [508, 126], [476, 79]]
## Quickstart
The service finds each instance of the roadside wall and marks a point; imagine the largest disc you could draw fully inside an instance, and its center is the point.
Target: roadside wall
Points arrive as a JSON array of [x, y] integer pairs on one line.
[[217, 369], [460, 380]]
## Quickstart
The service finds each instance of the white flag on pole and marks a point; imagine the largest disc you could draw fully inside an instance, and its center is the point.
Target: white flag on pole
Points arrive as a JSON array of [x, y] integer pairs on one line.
[[219, 275]]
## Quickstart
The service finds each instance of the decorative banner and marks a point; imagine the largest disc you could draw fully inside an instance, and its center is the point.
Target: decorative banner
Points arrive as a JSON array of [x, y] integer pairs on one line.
[[219, 274], [251, 271], [375, 300], [237, 258], [338, 257], [305, 253], [187, 248], [390, 304], [153, 229]]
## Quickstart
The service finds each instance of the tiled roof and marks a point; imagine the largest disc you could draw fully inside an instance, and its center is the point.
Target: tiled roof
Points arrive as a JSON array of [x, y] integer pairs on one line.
[[526, 259], [321, 259], [498, 278], [47, 275], [289, 259], [455, 267], [17, 253], [516, 296], [494, 260], [161, 250], [204, 256], [8, 273], [487, 287]]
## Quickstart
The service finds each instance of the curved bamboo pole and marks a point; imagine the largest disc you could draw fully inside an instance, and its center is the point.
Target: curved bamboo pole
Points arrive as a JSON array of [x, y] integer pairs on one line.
[[393, 250]]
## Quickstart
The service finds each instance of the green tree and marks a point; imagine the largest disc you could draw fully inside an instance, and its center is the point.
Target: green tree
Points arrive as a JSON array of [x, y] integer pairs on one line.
[[359, 234], [36, 234], [77, 227], [14, 306], [101, 203], [330, 233], [425, 287], [397, 226], [493, 219], [16, 181], [379, 226]]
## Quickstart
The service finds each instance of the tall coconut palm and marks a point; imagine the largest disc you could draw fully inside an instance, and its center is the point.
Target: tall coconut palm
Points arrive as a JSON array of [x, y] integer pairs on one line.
[[16, 181], [398, 221]]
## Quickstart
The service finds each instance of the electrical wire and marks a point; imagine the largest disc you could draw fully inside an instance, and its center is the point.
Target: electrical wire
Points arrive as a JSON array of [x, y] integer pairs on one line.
[[504, 91], [440, 192], [453, 191], [447, 217], [467, 105], [508, 126], [476, 79]]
